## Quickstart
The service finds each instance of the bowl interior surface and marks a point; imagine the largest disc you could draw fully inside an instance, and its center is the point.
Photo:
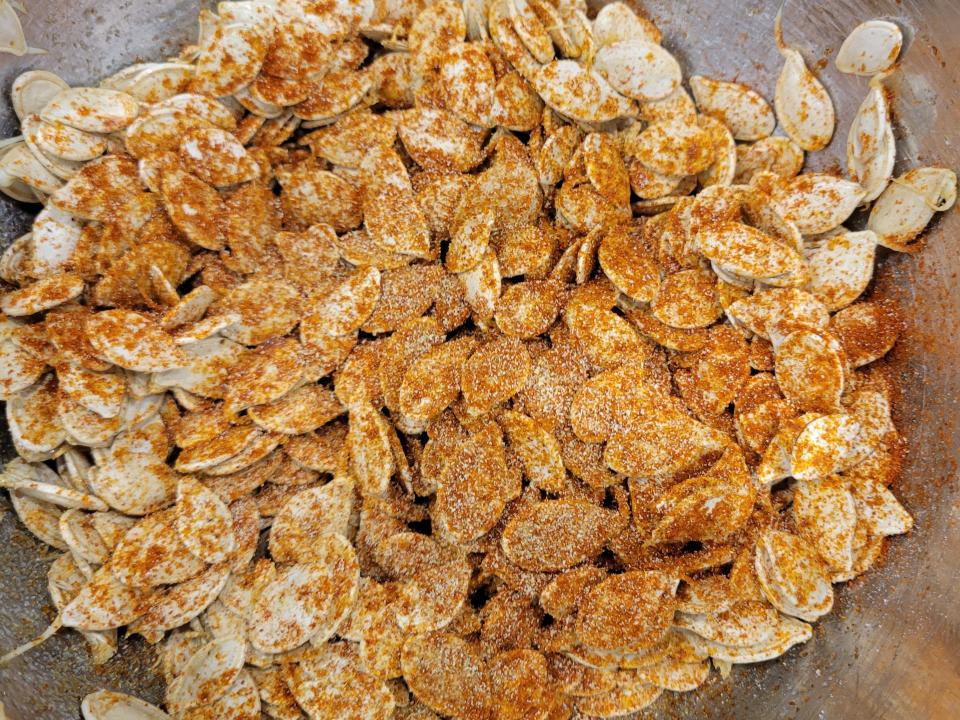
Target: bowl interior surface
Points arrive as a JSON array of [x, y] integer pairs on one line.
[[889, 649]]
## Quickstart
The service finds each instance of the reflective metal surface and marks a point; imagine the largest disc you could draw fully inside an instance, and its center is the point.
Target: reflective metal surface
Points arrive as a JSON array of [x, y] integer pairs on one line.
[[891, 649]]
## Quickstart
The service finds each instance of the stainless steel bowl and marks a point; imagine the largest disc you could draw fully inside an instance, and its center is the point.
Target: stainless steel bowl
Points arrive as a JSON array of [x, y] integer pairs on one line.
[[891, 649]]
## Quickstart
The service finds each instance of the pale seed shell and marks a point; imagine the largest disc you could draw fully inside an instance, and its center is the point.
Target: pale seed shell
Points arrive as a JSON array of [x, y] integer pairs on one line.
[[778, 155], [42, 295], [823, 447], [179, 604], [871, 148], [433, 381], [204, 522], [617, 21], [230, 59], [789, 633], [109, 705], [32, 91], [295, 605], [370, 451], [102, 604], [745, 251], [639, 69], [809, 369], [95, 110], [816, 203], [908, 204], [631, 695], [62, 141], [792, 576], [578, 93], [447, 674], [207, 676], [803, 105], [879, 509], [870, 48], [307, 516], [216, 157], [675, 148], [133, 341], [151, 554], [841, 267], [826, 515], [32, 418], [555, 534], [195, 208], [346, 308], [739, 107], [132, 475]]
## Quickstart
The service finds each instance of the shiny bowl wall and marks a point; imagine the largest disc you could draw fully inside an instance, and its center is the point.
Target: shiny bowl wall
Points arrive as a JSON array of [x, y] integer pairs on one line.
[[891, 649]]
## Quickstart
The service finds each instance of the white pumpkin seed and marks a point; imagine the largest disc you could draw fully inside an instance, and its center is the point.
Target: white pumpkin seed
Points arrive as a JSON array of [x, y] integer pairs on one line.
[[204, 522], [55, 238], [132, 475], [133, 341], [841, 267], [102, 604], [639, 69], [295, 606], [32, 418], [42, 295], [62, 141], [41, 519], [803, 104], [908, 204], [792, 576], [816, 203], [109, 705], [879, 509], [94, 110], [871, 148], [151, 553], [578, 93], [745, 251], [32, 91], [230, 59], [207, 676], [824, 446], [159, 81], [216, 157], [22, 171], [617, 21], [737, 106], [870, 48], [177, 605], [789, 633], [826, 515]]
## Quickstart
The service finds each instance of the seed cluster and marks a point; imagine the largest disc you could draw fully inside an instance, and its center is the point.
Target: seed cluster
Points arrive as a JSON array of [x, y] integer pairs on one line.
[[424, 360]]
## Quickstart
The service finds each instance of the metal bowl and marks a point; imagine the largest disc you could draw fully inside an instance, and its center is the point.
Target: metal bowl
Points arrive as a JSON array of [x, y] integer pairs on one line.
[[890, 648]]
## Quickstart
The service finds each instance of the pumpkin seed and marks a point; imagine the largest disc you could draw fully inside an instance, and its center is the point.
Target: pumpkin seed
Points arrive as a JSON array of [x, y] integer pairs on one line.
[[870, 48]]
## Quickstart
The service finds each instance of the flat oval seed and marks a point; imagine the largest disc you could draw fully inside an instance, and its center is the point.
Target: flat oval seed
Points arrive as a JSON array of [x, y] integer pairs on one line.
[[133, 341], [207, 676], [870, 48], [639, 69], [743, 250], [803, 105], [740, 108], [555, 534], [42, 295], [204, 522], [109, 705], [95, 110]]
